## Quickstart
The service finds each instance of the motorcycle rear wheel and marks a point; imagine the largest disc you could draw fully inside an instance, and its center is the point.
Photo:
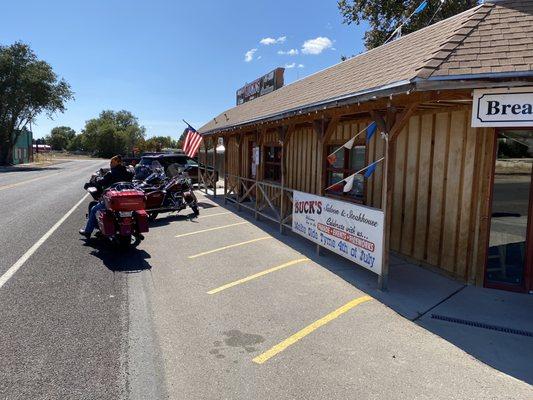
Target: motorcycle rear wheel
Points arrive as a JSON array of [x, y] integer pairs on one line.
[[128, 241]]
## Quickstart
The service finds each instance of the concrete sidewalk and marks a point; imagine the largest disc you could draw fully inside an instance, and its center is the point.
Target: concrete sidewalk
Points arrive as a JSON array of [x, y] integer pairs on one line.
[[494, 326]]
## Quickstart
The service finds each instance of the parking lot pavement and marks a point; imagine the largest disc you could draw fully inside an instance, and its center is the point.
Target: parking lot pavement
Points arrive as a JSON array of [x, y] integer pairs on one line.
[[228, 310]]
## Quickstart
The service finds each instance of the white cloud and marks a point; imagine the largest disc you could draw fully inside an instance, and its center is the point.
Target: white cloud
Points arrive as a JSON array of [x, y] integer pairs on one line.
[[301, 66], [268, 41], [291, 65], [316, 46], [249, 55], [291, 52]]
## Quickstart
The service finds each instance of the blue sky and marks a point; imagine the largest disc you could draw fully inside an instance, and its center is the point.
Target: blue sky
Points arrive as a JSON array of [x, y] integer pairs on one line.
[[166, 60]]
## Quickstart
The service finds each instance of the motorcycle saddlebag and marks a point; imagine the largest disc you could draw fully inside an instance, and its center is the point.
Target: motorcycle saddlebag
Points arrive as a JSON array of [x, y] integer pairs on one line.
[[106, 222], [142, 221], [124, 200]]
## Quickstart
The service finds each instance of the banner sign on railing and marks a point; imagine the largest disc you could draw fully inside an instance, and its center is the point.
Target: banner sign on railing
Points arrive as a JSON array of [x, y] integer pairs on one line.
[[350, 230]]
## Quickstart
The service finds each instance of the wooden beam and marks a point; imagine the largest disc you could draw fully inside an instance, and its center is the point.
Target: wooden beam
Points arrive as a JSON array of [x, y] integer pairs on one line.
[[402, 121], [399, 101], [387, 190], [379, 120], [325, 129]]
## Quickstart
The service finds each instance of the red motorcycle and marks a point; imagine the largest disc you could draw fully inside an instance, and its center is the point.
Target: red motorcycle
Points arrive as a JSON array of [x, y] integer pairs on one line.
[[165, 194], [124, 219]]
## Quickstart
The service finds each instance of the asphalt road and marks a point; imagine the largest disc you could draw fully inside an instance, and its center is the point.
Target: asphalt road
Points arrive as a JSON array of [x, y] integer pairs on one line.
[[219, 307]]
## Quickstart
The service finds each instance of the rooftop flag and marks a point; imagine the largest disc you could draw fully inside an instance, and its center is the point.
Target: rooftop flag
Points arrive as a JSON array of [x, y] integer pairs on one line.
[[397, 33], [421, 7]]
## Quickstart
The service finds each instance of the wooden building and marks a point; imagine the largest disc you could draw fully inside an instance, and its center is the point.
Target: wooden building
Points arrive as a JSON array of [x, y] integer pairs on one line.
[[443, 186]]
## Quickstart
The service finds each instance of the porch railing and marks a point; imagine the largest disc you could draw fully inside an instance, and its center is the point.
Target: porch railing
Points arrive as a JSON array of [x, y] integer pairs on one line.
[[207, 180], [265, 199]]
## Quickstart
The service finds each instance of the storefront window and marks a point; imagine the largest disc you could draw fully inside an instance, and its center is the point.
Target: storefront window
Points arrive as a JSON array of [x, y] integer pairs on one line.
[[347, 162], [506, 259], [272, 163]]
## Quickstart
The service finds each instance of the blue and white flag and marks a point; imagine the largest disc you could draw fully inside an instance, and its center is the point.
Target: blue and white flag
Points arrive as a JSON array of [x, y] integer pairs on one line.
[[370, 169], [421, 7], [347, 183], [370, 130]]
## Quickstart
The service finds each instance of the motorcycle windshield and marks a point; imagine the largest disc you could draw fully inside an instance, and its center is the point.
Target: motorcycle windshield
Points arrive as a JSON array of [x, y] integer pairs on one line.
[[156, 166], [176, 169]]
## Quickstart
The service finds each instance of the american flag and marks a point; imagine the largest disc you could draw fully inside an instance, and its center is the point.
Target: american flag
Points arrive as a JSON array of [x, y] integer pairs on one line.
[[192, 141]]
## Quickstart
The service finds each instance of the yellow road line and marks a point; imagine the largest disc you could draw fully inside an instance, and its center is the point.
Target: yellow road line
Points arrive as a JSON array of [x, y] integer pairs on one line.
[[12, 185], [259, 274], [260, 359], [214, 215], [230, 246], [211, 229], [26, 181]]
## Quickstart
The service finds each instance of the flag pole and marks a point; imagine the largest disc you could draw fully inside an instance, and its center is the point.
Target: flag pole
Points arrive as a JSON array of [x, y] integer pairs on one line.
[[190, 126], [383, 279]]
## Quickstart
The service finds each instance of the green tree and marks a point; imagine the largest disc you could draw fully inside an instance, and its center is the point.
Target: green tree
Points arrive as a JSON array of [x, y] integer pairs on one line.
[[28, 87], [60, 137], [113, 132], [76, 144], [157, 143], [384, 16]]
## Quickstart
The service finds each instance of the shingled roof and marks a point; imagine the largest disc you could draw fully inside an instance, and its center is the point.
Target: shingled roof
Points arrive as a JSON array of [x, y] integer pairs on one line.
[[488, 39]]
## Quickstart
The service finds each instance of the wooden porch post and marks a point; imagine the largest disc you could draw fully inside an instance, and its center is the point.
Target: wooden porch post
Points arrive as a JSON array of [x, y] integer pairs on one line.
[[258, 138], [391, 127], [324, 129], [213, 176], [284, 133], [225, 142], [205, 165], [239, 170]]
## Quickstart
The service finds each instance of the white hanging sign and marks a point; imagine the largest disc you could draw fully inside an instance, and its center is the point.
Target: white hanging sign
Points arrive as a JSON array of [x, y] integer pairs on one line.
[[505, 107], [350, 230]]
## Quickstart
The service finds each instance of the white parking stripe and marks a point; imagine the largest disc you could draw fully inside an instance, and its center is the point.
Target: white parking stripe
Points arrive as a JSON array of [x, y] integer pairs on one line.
[[20, 262], [214, 215]]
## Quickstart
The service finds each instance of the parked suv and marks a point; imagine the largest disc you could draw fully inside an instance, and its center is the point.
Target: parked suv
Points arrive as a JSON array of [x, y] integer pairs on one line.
[[171, 163]]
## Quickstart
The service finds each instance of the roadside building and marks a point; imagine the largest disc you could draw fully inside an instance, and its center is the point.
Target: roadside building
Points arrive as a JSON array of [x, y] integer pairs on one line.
[[455, 100], [23, 148]]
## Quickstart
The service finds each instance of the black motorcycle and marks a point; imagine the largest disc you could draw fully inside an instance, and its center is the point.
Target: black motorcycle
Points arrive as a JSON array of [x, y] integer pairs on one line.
[[167, 194]]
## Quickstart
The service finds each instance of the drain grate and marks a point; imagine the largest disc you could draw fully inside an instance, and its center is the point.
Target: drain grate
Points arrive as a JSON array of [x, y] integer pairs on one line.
[[482, 325]]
